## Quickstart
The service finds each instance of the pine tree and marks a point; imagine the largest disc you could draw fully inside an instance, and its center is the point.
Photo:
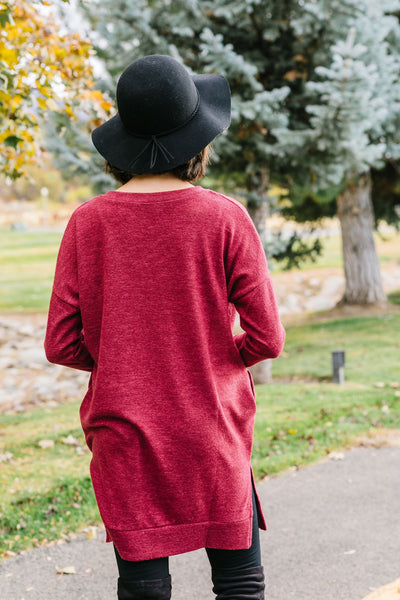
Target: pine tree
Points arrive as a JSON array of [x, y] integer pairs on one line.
[[254, 56], [350, 126], [315, 95]]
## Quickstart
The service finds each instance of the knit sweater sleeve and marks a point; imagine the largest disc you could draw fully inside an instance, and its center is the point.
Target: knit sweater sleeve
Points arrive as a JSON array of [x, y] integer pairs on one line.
[[64, 342], [250, 290]]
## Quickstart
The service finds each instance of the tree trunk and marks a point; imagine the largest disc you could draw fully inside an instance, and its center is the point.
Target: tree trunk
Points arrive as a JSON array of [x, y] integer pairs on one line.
[[361, 264], [259, 214], [262, 371]]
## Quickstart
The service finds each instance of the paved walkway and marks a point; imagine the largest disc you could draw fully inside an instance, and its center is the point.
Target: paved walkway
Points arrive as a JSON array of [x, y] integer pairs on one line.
[[334, 534]]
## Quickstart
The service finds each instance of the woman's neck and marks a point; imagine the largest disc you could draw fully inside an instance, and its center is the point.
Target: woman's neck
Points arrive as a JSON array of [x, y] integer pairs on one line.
[[154, 183]]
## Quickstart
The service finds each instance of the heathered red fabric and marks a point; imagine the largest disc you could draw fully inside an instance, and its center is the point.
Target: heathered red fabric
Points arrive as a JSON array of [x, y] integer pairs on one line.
[[143, 296]]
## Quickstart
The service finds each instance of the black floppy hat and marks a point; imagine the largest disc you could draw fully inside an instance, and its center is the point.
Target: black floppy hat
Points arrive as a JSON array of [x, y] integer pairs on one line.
[[165, 116]]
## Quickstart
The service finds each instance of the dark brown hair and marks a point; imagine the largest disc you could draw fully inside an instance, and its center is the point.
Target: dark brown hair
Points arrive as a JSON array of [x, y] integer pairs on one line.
[[191, 171]]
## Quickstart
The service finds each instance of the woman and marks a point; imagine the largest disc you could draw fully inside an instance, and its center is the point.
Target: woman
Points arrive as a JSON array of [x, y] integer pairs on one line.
[[146, 286]]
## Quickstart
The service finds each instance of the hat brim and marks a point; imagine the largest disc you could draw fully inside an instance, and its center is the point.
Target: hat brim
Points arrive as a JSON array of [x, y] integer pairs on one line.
[[128, 152]]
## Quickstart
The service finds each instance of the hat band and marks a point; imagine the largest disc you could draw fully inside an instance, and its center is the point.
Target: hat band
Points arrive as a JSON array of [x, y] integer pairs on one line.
[[156, 147]]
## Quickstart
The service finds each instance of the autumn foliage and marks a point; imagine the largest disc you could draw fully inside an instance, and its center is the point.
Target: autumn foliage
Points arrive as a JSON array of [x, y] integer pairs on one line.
[[41, 70]]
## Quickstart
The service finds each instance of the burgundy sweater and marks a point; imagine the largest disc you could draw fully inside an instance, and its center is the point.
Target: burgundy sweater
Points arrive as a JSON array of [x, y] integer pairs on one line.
[[144, 297]]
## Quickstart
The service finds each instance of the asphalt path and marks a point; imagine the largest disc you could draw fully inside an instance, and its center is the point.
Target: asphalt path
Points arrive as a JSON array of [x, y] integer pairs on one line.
[[333, 534]]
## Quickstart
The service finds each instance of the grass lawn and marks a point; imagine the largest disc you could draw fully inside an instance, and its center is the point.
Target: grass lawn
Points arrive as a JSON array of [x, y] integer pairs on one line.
[[27, 263], [387, 246], [302, 415], [45, 493]]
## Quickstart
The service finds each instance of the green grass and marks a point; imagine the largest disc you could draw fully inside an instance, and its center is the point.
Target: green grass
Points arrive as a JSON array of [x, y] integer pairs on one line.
[[371, 344], [298, 424], [46, 494], [394, 297], [331, 256], [27, 262], [302, 416]]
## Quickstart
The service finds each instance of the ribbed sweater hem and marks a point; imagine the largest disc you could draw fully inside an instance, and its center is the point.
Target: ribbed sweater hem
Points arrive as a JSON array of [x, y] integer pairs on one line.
[[146, 544]]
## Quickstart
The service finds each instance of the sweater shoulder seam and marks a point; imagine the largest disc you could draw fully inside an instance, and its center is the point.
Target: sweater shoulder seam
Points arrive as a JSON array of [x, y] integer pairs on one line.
[[232, 201]]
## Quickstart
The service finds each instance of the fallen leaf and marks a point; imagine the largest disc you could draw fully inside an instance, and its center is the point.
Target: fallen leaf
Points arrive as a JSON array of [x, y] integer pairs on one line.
[[7, 456], [70, 441], [46, 444], [66, 570], [91, 533], [336, 455]]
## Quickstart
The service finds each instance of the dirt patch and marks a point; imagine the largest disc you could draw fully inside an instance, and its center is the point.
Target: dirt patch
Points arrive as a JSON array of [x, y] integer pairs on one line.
[[380, 438], [316, 294], [27, 379], [343, 312]]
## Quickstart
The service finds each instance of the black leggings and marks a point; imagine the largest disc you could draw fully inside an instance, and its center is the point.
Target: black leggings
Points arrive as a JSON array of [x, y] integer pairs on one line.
[[221, 561]]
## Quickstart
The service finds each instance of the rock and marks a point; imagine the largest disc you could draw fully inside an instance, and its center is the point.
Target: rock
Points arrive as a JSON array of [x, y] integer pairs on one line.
[[27, 379], [32, 356], [336, 455], [11, 397], [292, 303], [6, 457], [28, 330], [314, 282], [319, 303], [44, 444], [332, 287]]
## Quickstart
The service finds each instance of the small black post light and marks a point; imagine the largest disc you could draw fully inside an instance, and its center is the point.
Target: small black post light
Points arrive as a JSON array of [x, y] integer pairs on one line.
[[338, 363]]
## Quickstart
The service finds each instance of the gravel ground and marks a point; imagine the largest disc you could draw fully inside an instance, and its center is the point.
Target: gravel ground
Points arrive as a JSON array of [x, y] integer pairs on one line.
[[27, 380]]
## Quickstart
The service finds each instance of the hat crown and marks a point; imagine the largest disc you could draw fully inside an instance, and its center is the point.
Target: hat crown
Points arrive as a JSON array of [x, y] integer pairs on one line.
[[156, 95]]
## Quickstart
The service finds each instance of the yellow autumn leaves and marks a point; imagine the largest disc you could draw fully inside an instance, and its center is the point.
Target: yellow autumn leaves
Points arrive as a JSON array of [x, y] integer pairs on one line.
[[41, 70]]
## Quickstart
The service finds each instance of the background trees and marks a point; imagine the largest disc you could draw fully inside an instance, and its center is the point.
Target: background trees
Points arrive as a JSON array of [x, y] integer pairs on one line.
[[350, 126], [246, 42], [315, 97]]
